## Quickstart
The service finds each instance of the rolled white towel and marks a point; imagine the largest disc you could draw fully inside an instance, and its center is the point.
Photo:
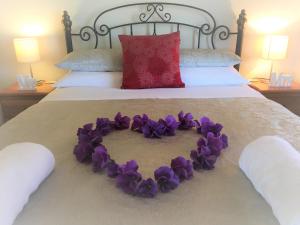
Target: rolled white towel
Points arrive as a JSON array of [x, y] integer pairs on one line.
[[273, 167], [23, 167]]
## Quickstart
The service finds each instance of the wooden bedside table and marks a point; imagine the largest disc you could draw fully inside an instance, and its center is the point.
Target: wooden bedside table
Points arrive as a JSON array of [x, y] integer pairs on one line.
[[13, 101], [288, 97]]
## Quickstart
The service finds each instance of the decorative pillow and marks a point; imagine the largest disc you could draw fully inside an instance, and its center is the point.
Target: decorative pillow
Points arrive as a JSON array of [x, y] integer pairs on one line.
[[93, 60], [151, 61], [208, 58]]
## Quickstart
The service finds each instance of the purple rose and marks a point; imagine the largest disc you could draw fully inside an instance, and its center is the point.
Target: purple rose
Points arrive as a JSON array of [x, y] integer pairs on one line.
[[202, 160], [139, 122], [112, 169], [83, 152], [153, 129], [166, 179], [170, 125], [128, 181], [206, 126], [104, 126], [121, 122], [100, 158], [147, 188], [186, 121], [183, 168]]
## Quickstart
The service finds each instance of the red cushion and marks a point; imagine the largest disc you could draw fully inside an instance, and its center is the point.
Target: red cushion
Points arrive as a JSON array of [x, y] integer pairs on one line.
[[151, 61]]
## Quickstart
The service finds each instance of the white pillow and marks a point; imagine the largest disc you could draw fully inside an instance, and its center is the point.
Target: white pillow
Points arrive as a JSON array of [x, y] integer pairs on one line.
[[93, 60], [91, 79], [212, 76], [192, 77], [208, 58]]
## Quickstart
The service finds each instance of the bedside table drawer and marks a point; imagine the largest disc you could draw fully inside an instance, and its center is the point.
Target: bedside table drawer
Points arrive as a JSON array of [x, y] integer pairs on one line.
[[13, 100], [290, 102], [11, 108]]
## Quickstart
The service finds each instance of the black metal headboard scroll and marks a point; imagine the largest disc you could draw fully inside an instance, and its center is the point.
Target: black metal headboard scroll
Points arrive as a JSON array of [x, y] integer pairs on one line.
[[155, 14]]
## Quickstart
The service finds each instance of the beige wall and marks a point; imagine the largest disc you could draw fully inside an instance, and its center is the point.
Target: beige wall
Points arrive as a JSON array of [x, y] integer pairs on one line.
[[15, 14]]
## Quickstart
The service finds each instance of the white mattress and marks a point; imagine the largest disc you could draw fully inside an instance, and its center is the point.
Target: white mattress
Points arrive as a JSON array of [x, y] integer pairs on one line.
[[96, 93]]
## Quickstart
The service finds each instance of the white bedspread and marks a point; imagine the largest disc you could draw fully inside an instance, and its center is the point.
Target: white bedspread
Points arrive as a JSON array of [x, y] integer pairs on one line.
[[94, 93]]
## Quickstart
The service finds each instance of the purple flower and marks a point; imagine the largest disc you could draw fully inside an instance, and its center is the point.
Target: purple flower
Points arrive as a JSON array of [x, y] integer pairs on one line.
[[170, 125], [121, 122], [153, 129], [183, 168], [104, 126], [212, 144], [202, 160], [186, 121], [88, 140], [139, 122], [130, 166], [88, 135], [147, 188], [100, 158], [215, 144], [129, 181], [83, 152], [112, 169], [166, 179], [206, 126]]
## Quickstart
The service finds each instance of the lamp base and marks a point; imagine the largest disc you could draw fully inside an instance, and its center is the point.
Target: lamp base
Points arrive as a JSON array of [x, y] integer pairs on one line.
[[31, 73], [26, 82]]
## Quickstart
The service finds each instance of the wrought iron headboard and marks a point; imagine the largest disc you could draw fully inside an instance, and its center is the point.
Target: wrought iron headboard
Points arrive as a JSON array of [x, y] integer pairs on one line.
[[155, 14]]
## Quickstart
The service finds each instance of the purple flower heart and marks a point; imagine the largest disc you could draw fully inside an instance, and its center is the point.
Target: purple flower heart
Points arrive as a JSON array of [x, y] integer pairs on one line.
[[129, 181], [206, 126], [139, 122], [112, 169], [170, 125], [89, 149], [153, 129], [186, 121], [202, 160], [166, 179], [121, 122], [147, 188], [104, 126], [100, 158], [183, 168]]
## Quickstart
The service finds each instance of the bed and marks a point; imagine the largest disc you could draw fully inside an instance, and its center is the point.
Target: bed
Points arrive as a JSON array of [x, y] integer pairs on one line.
[[73, 194]]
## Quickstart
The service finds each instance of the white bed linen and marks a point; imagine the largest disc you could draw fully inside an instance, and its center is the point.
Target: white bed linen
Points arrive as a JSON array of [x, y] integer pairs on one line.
[[96, 93], [192, 77]]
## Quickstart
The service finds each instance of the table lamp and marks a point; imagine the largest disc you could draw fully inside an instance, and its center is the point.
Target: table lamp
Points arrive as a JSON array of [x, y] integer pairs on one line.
[[27, 51], [275, 48]]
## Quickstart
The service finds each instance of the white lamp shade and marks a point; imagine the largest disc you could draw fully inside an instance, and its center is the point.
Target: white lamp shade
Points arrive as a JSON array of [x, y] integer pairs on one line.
[[27, 50], [275, 47]]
